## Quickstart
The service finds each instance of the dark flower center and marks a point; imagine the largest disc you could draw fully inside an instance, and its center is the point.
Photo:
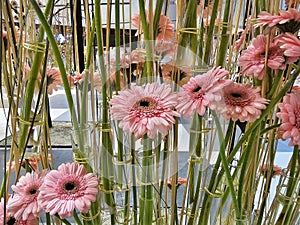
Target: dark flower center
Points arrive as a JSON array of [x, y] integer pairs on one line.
[[236, 95], [69, 186], [32, 191], [197, 89], [50, 80], [11, 221], [145, 104]]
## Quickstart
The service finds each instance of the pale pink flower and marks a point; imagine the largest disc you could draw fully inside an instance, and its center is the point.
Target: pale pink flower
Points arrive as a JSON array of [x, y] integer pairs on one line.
[[170, 71], [66, 188], [290, 117], [276, 170], [286, 21], [252, 60], [290, 44], [200, 90], [31, 220], [24, 201], [145, 110], [138, 56], [53, 79], [2, 212], [166, 49], [240, 102], [165, 26]]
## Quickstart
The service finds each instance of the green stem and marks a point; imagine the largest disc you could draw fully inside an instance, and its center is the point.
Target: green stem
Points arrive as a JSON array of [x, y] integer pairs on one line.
[[58, 59], [195, 201], [48, 219], [32, 81], [146, 196], [158, 8], [210, 31], [76, 218], [65, 221], [148, 44], [244, 168], [225, 35], [117, 43], [107, 150], [83, 108], [214, 181], [134, 185], [226, 166]]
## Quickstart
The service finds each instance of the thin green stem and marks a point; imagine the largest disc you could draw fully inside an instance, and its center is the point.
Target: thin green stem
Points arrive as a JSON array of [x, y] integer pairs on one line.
[[117, 43], [34, 72], [244, 168], [83, 108], [58, 59], [225, 35], [225, 165], [210, 31], [214, 181], [148, 44], [76, 218]]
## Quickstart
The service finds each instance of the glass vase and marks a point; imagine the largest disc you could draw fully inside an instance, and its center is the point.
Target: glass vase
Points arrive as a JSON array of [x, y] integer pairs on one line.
[[285, 206], [82, 147], [243, 219]]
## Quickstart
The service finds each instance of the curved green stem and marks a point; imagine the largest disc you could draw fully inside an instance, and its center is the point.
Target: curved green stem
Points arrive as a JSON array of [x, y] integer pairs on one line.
[[58, 59]]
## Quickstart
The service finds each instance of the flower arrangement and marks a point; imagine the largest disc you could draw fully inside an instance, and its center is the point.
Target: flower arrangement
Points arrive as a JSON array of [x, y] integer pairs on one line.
[[236, 88]]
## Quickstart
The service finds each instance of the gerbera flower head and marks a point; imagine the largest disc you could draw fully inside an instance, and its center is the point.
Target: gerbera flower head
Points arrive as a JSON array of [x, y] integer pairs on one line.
[[290, 117], [165, 26], [252, 60], [166, 48], [170, 72], [68, 187], [145, 110], [23, 203], [286, 21], [53, 79], [290, 44], [200, 90], [240, 102]]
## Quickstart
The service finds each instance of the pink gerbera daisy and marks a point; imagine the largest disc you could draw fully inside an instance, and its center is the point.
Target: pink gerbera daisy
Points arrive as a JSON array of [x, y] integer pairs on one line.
[[240, 102], [166, 49], [200, 90], [290, 117], [290, 44], [66, 188], [170, 72], [165, 26], [286, 21], [24, 201], [252, 59], [145, 110], [31, 220], [53, 79]]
